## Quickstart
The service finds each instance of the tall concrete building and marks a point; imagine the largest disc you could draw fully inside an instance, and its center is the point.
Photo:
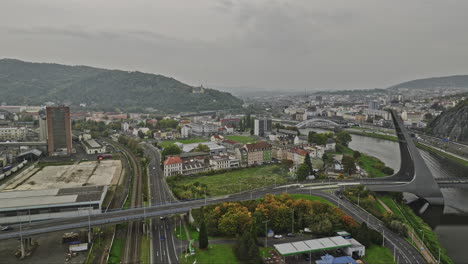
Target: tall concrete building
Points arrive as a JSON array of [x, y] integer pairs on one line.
[[262, 126], [59, 137]]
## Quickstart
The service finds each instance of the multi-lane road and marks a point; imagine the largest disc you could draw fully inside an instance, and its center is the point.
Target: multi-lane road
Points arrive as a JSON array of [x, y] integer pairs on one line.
[[165, 247]]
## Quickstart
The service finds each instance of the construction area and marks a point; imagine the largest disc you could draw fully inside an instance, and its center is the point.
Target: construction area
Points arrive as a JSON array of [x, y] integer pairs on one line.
[[87, 173]]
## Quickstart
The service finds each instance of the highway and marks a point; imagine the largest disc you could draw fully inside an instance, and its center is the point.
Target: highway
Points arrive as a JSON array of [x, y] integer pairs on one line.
[[165, 250], [165, 247]]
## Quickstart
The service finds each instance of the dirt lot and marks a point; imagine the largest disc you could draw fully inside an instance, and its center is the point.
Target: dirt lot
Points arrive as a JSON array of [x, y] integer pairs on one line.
[[78, 174]]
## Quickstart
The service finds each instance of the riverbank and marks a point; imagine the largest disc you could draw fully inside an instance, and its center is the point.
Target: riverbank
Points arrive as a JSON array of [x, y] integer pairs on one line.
[[447, 155]]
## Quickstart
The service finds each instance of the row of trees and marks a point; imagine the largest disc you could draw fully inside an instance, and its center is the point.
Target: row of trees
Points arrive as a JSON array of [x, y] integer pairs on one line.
[[132, 144], [283, 212]]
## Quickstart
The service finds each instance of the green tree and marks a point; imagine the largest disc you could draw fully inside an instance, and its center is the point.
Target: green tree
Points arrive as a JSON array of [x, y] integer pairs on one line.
[[141, 134], [308, 162], [201, 148], [203, 235], [302, 172], [356, 154], [349, 165], [343, 137], [171, 150]]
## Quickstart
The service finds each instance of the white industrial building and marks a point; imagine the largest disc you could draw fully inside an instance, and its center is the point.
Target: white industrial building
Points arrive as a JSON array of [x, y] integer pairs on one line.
[[34, 205]]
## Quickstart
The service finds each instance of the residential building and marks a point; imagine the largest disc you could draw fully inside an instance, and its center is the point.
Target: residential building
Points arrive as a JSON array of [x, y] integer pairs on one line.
[[59, 138], [262, 126], [185, 131], [258, 153], [13, 133], [206, 129], [373, 105], [224, 162], [172, 166]]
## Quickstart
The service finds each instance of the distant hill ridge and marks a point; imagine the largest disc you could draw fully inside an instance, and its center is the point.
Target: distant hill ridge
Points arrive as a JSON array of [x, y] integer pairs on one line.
[[435, 82], [35, 83]]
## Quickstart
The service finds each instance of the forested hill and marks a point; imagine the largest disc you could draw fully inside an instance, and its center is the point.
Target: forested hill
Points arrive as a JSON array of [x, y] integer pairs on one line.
[[35, 83], [436, 82]]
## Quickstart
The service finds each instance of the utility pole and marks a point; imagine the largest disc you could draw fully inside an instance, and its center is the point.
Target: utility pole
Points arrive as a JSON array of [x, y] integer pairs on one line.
[[292, 222], [266, 232], [383, 237], [438, 260], [358, 196]]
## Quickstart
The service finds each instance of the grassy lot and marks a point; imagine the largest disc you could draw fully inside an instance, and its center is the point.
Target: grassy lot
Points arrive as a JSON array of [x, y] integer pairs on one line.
[[378, 255], [372, 165], [215, 254], [183, 236], [241, 139], [145, 250], [311, 198], [237, 180], [183, 141], [116, 251], [369, 164]]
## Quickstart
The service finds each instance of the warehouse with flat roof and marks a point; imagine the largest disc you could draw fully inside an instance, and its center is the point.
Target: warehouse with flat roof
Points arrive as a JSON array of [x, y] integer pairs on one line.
[[312, 245], [33, 205]]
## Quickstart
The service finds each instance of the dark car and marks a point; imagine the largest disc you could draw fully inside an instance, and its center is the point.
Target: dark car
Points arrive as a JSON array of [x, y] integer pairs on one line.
[[306, 256], [290, 235]]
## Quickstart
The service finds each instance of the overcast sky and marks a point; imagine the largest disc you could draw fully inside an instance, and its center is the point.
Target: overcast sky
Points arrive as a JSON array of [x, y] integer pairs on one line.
[[289, 45]]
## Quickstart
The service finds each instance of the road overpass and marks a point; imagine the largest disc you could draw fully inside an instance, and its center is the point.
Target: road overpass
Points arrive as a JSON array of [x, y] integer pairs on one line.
[[25, 143]]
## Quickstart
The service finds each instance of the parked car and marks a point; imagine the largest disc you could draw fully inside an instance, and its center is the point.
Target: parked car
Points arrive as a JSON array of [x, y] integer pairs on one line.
[[290, 235], [277, 236], [162, 218]]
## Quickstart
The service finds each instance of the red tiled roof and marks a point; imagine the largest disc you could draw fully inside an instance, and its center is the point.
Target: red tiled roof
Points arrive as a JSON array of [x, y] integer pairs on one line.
[[172, 160], [232, 142], [258, 146], [301, 152]]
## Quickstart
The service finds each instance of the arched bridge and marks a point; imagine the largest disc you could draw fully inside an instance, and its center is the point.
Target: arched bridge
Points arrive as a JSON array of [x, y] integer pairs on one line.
[[318, 122]]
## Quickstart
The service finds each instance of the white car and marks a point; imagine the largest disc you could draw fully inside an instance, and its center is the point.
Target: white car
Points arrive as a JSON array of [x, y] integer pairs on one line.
[[278, 236]]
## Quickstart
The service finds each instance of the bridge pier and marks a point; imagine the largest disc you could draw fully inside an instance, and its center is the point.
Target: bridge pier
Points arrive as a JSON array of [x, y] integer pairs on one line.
[[26, 244]]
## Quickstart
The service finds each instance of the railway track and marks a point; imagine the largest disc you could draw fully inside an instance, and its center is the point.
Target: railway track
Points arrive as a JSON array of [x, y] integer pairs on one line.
[[131, 252]]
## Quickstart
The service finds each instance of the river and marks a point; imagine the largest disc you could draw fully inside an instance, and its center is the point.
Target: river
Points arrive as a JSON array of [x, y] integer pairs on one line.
[[451, 222]]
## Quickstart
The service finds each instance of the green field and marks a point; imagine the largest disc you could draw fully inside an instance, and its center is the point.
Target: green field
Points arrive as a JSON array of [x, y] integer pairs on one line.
[[378, 255], [180, 234], [238, 180], [368, 163], [241, 139], [145, 250], [215, 254], [311, 198], [115, 256], [183, 141]]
